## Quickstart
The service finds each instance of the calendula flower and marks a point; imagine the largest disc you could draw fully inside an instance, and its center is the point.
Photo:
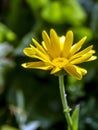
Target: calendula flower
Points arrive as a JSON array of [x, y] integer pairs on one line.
[[59, 53]]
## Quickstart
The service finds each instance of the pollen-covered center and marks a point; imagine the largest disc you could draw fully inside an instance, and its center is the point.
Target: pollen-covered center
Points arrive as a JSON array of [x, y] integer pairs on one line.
[[60, 62]]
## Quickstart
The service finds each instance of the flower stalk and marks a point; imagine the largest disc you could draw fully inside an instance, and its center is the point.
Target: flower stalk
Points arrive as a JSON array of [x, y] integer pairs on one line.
[[66, 108]]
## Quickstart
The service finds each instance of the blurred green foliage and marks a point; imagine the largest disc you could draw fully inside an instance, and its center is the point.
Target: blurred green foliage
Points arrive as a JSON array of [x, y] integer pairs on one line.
[[30, 99]]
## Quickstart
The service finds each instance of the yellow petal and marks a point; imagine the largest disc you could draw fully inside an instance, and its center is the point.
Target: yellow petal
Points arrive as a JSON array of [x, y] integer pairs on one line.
[[82, 70], [82, 59], [44, 46], [55, 70], [40, 54], [36, 65], [68, 43], [92, 58], [38, 46], [46, 40], [74, 71], [82, 52], [55, 43], [76, 47], [62, 39], [29, 52]]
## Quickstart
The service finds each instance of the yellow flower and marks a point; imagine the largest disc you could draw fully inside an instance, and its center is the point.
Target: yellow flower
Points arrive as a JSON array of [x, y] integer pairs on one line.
[[57, 53]]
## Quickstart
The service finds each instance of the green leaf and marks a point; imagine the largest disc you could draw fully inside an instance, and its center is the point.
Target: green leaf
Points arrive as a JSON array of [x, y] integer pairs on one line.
[[81, 32], [6, 34], [7, 127], [36, 5], [75, 117], [54, 8], [70, 9]]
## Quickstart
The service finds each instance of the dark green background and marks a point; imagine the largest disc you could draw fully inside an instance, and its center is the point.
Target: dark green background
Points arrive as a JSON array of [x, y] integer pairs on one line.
[[29, 96]]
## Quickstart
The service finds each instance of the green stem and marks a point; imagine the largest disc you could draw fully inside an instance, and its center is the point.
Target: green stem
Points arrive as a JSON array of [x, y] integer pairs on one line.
[[64, 102]]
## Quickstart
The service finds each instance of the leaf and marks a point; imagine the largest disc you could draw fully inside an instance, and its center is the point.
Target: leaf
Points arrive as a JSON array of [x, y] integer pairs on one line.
[[53, 8], [7, 127], [31, 126], [6, 34], [75, 117]]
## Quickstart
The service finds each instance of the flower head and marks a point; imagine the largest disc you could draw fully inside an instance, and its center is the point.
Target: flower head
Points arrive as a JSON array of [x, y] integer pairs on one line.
[[58, 53]]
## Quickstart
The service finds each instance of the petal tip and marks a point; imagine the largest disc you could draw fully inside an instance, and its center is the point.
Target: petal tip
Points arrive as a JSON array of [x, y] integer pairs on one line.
[[70, 32], [24, 65], [52, 31], [85, 37], [43, 32], [33, 40]]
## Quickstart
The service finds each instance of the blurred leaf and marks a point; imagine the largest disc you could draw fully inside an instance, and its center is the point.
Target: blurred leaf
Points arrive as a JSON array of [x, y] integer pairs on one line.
[[20, 114], [36, 5], [31, 126], [41, 105], [5, 66], [64, 13], [87, 5], [73, 13], [23, 43], [19, 19], [55, 9], [5, 49], [89, 114], [27, 40], [5, 62], [75, 88], [7, 127], [81, 31], [6, 34], [94, 21]]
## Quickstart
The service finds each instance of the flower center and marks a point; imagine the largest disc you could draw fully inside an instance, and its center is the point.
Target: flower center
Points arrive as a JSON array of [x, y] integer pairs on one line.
[[60, 62]]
